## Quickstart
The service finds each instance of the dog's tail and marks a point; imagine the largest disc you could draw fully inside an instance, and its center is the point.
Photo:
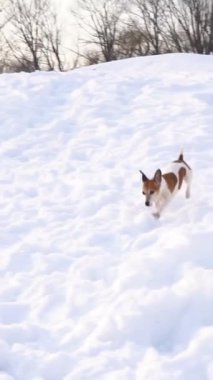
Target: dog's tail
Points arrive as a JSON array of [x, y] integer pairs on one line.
[[180, 158]]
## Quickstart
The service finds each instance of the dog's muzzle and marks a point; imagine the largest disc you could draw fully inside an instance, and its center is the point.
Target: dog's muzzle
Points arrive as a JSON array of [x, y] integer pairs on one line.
[[147, 203]]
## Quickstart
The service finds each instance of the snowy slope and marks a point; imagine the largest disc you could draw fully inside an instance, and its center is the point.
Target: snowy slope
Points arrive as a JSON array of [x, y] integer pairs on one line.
[[92, 287]]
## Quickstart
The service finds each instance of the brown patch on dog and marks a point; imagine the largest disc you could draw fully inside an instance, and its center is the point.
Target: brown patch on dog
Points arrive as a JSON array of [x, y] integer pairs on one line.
[[181, 175], [171, 180], [150, 185]]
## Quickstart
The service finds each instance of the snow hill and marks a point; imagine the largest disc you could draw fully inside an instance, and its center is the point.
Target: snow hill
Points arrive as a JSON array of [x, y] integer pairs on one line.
[[92, 287]]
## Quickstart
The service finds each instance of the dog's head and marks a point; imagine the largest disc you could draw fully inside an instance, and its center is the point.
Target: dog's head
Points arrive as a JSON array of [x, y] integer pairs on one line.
[[150, 187]]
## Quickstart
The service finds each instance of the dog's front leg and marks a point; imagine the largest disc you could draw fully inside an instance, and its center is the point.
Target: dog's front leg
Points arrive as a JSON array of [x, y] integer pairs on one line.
[[157, 211], [156, 214], [159, 206]]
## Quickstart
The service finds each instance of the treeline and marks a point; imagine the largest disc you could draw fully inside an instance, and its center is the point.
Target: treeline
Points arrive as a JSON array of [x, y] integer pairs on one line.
[[31, 37]]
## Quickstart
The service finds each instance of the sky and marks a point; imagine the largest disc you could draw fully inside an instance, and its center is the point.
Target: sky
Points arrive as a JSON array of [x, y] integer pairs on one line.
[[69, 26]]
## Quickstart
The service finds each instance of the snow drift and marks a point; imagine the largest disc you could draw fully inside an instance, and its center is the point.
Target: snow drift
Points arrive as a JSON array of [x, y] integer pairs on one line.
[[92, 287]]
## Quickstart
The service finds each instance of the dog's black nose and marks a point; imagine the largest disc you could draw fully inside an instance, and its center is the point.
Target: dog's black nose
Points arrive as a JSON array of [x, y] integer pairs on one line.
[[147, 203]]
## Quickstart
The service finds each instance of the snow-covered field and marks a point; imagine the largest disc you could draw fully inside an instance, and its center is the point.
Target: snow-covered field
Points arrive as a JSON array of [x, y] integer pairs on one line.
[[92, 287]]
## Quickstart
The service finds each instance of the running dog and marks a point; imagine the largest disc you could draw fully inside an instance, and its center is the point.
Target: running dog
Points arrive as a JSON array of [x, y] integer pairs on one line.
[[161, 188]]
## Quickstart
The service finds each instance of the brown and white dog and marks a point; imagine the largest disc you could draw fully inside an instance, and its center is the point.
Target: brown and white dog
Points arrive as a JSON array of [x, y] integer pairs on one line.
[[162, 187]]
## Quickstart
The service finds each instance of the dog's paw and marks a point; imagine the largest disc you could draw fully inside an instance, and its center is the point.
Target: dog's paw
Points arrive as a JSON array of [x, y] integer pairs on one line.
[[156, 215]]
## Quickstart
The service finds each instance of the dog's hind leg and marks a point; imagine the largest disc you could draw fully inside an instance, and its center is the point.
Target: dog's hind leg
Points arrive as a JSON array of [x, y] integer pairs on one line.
[[188, 180]]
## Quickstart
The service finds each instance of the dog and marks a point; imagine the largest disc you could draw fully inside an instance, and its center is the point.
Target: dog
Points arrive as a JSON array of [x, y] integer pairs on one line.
[[162, 187]]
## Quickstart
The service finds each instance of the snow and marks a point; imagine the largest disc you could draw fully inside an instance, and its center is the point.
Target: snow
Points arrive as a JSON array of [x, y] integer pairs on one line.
[[92, 287]]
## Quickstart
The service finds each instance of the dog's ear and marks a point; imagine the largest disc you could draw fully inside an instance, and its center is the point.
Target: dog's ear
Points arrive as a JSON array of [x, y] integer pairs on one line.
[[158, 177], [144, 177]]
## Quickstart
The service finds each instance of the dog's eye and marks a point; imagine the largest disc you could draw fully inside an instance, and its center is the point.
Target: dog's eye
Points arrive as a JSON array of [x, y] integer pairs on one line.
[[143, 193], [151, 192]]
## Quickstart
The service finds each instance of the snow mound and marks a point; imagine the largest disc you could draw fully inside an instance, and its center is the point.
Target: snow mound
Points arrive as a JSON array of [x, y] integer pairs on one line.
[[92, 287]]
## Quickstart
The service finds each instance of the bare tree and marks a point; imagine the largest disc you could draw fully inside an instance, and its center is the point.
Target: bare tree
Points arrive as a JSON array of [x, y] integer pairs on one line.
[[52, 43], [191, 25], [36, 42], [175, 25], [151, 17], [132, 42], [4, 51], [100, 23], [92, 57]]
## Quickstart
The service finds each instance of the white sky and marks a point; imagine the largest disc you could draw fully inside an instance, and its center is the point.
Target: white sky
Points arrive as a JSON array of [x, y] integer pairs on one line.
[[69, 27]]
